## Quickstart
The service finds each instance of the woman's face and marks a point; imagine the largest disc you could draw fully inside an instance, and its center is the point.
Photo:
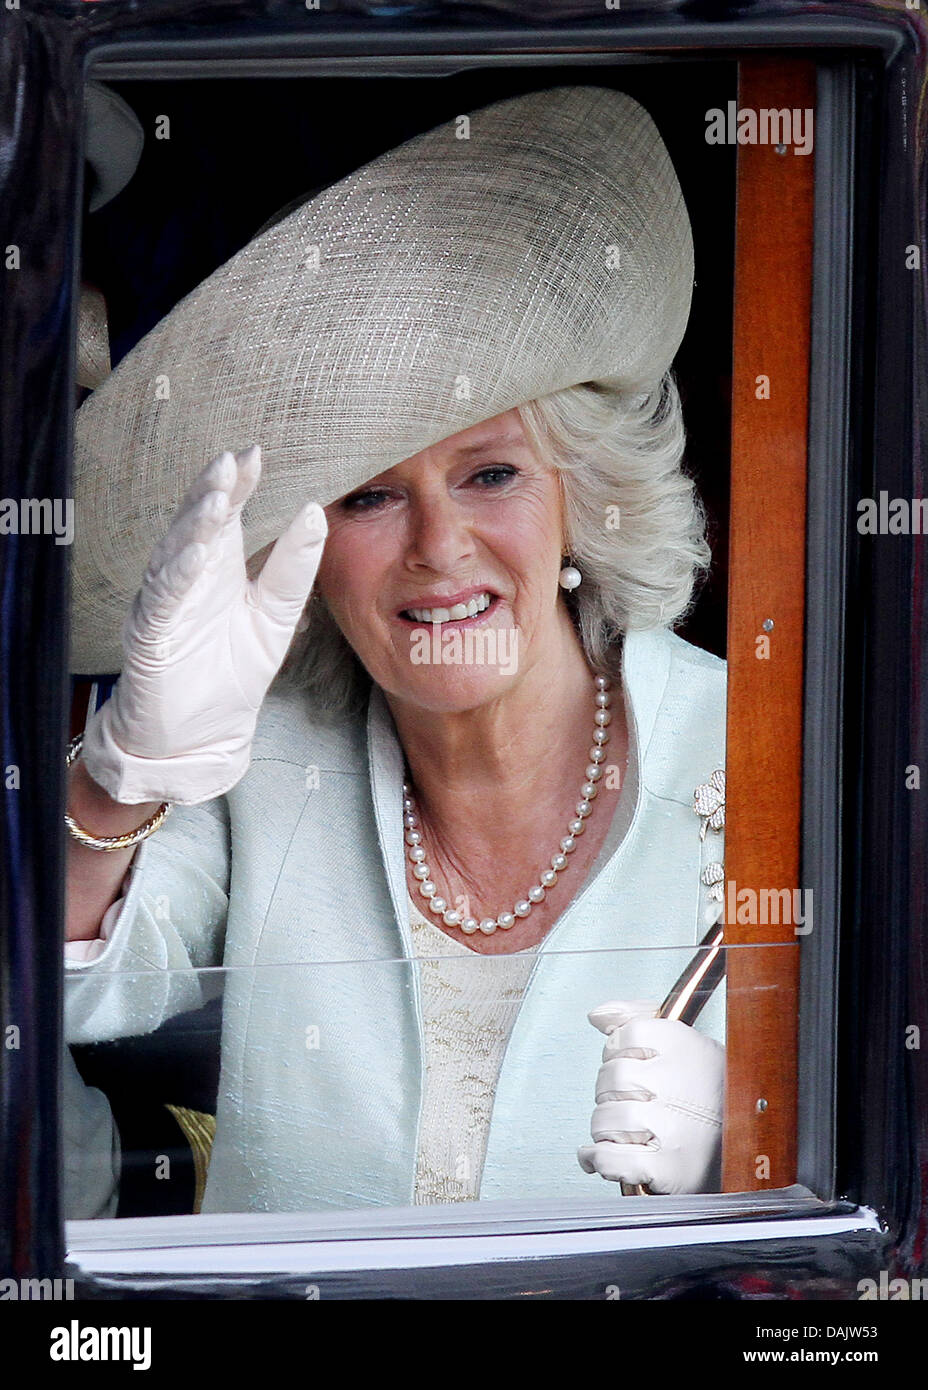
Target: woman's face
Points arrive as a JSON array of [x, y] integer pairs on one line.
[[475, 520]]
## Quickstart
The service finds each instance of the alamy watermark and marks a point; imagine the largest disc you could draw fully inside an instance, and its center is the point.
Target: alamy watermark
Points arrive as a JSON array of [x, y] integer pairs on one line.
[[36, 1290], [766, 126], [91, 1343], [469, 646], [767, 907], [893, 1290], [38, 516], [897, 516]]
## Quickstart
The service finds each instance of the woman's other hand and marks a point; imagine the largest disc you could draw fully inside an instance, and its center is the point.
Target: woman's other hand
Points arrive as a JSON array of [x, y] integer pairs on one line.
[[202, 644], [659, 1097]]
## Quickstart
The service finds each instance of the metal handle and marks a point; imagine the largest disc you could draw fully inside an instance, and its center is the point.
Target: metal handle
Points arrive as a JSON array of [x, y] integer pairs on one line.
[[687, 999]]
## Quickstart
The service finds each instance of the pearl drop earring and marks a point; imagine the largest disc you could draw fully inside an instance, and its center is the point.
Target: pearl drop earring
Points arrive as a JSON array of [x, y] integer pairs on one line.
[[569, 577]]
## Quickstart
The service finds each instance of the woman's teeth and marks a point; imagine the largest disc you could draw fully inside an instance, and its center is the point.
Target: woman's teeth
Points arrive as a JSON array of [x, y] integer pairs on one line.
[[454, 614]]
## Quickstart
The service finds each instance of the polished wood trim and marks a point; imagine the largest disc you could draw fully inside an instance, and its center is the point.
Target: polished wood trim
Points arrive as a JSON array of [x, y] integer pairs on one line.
[[772, 327]]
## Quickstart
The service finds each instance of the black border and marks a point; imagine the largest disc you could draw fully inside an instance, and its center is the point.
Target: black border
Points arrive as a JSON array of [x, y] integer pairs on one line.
[[881, 1129]]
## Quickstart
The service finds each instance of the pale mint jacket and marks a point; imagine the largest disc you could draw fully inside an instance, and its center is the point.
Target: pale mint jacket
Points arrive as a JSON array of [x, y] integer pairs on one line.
[[294, 882]]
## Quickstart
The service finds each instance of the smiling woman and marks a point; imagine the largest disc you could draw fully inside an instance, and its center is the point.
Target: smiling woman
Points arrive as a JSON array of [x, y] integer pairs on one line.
[[631, 519], [438, 532], [524, 808], [439, 535]]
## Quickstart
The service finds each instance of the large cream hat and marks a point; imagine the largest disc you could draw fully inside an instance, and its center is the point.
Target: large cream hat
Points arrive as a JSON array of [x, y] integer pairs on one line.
[[535, 244]]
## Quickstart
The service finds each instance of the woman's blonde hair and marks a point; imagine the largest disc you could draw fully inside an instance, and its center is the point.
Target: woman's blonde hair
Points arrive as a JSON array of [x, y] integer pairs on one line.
[[635, 528]]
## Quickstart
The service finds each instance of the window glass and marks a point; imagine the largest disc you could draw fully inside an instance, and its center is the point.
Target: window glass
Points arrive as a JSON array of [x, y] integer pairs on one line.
[[264, 1011], [341, 1085]]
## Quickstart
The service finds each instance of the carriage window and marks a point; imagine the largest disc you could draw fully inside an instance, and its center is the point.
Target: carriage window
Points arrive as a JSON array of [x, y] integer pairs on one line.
[[474, 875]]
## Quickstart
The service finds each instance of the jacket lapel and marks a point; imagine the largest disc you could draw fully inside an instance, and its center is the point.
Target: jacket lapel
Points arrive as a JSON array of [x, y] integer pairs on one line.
[[385, 759]]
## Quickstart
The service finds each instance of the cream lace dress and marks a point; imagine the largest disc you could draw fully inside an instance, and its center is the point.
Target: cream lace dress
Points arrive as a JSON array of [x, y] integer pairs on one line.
[[469, 1006]]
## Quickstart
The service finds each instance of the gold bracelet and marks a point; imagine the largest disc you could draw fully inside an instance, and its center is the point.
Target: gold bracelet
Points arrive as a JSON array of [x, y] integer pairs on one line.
[[108, 843]]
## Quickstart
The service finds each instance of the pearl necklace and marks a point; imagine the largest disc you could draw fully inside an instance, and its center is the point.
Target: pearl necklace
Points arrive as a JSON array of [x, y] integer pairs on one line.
[[547, 879]]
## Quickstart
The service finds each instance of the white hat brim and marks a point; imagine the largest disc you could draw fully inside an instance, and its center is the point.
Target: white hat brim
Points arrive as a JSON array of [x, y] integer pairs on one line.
[[441, 284]]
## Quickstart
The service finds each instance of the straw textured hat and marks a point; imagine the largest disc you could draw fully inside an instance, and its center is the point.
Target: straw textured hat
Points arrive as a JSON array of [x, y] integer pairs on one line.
[[539, 243]]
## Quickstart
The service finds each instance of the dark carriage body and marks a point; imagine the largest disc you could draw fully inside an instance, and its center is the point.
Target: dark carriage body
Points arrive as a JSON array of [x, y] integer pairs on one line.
[[858, 1206]]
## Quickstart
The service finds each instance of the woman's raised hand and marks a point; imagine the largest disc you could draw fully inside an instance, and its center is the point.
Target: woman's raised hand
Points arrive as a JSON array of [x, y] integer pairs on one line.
[[202, 644]]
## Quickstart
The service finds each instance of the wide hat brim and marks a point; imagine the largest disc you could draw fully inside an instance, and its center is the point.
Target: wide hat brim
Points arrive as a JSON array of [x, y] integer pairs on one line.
[[443, 283]]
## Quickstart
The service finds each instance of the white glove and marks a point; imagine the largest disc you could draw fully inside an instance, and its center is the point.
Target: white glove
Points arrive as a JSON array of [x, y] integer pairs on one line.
[[659, 1096], [202, 645]]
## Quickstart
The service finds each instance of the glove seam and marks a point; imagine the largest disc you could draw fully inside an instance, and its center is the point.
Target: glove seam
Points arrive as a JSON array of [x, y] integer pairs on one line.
[[695, 1112]]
